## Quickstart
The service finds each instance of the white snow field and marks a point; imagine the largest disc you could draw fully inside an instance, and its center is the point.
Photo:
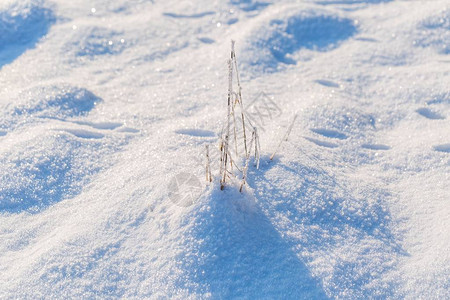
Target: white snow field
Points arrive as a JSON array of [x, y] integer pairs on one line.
[[105, 111]]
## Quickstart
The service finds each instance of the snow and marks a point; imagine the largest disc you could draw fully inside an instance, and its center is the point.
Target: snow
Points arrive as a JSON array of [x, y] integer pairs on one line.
[[106, 108]]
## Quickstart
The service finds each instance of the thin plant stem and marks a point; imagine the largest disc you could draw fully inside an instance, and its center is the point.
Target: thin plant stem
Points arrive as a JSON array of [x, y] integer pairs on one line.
[[208, 165]]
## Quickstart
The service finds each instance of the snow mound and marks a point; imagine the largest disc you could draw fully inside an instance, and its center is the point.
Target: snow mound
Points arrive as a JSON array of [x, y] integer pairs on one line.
[[232, 238], [315, 210], [22, 24], [57, 101], [276, 42], [52, 101], [45, 169], [48, 153]]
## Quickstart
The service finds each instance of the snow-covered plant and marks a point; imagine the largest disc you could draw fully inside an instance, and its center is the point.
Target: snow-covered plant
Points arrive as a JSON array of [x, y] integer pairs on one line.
[[235, 148]]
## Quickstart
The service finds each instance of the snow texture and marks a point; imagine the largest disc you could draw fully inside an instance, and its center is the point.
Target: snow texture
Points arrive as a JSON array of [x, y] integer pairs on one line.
[[105, 111]]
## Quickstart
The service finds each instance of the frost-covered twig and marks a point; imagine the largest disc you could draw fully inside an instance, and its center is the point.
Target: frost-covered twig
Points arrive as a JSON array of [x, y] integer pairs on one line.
[[233, 57], [208, 165], [233, 163], [225, 142]]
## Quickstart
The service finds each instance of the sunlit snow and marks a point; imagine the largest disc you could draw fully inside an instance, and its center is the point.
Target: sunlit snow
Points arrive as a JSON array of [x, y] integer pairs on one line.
[[105, 111]]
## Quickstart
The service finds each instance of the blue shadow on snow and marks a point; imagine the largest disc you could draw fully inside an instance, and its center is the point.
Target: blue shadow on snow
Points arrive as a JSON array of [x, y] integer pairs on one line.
[[239, 254], [327, 214], [21, 27], [303, 30]]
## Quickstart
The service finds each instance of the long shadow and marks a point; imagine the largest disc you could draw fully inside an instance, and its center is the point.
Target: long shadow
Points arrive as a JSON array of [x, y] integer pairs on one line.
[[326, 215], [21, 27], [239, 254]]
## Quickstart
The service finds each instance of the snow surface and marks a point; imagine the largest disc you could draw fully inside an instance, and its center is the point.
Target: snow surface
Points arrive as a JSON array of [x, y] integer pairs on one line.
[[103, 103]]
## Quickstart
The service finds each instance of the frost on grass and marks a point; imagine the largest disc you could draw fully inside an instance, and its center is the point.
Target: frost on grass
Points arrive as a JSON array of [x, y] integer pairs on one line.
[[234, 156]]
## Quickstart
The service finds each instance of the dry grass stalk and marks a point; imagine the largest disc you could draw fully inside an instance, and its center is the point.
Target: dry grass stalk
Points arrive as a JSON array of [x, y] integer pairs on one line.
[[208, 165], [225, 141], [232, 131], [239, 95]]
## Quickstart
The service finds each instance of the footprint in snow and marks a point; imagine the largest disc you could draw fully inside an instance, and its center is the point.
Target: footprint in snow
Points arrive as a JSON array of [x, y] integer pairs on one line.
[[330, 133], [442, 148], [429, 114], [196, 132], [100, 125], [188, 16], [366, 39], [206, 40], [327, 83], [277, 43], [375, 146], [85, 134], [128, 130], [94, 127], [322, 143]]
